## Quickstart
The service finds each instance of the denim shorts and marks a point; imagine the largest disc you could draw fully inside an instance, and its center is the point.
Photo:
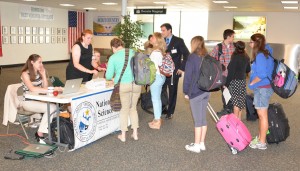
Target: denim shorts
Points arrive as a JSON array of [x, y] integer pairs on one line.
[[262, 97]]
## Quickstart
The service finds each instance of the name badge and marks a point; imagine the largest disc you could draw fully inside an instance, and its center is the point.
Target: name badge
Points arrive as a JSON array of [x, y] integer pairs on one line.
[[174, 51]]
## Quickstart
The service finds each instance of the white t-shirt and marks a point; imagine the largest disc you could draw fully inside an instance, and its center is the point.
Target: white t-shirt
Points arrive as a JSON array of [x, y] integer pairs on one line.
[[156, 57]]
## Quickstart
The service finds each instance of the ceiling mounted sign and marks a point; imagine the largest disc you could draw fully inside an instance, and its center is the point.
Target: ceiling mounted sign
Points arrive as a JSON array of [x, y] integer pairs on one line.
[[150, 11]]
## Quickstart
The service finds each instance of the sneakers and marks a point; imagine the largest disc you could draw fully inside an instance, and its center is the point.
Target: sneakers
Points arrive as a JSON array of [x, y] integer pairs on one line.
[[256, 144], [202, 146], [254, 141], [193, 148]]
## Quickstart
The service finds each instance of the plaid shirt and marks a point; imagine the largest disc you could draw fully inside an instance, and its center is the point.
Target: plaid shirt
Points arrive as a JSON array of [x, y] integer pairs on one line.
[[225, 56]]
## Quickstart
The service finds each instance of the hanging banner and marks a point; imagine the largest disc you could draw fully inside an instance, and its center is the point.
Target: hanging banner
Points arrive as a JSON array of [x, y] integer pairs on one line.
[[0, 37], [35, 13], [104, 25]]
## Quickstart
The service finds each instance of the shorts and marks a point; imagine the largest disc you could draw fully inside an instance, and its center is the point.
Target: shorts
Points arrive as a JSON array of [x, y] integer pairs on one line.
[[262, 97]]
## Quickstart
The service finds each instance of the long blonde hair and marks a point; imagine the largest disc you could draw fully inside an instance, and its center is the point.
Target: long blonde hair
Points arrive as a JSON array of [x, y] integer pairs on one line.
[[198, 46], [160, 43]]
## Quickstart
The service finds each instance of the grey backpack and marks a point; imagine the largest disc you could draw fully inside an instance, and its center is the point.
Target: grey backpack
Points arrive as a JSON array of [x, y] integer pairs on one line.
[[143, 69]]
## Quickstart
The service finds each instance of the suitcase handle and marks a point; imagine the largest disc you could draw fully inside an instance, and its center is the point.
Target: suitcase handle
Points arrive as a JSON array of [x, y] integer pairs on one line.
[[212, 113]]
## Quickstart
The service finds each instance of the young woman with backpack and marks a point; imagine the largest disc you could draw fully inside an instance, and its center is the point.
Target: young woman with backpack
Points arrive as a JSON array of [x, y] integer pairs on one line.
[[158, 51], [197, 97], [261, 70]]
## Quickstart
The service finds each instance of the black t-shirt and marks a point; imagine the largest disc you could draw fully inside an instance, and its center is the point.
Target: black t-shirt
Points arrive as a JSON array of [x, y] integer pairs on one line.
[[85, 60]]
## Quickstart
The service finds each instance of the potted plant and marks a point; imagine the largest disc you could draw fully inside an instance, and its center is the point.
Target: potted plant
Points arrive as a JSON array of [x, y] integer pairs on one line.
[[129, 32]]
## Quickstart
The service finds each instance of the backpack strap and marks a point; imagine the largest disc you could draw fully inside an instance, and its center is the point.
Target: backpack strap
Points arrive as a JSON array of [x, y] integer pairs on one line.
[[220, 52], [125, 64]]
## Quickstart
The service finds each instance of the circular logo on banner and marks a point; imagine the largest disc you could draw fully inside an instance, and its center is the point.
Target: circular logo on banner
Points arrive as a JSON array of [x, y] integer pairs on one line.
[[85, 121]]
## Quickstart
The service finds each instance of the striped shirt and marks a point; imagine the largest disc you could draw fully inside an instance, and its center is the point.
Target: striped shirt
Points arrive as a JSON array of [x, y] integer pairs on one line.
[[38, 82], [227, 51]]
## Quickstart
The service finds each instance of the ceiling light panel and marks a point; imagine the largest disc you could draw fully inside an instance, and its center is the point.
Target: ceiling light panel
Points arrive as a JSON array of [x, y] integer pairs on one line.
[[220, 2], [67, 5], [289, 2], [290, 8]]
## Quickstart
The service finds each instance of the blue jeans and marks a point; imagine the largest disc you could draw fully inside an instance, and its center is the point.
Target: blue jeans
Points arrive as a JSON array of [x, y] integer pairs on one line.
[[262, 97], [155, 89]]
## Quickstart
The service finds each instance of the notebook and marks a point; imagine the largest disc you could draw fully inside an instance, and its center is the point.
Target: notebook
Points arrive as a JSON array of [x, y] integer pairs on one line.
[[38, 148], [72, 86]]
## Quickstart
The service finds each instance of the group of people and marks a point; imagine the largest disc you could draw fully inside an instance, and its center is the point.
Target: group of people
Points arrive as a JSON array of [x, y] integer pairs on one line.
[[233, 56]]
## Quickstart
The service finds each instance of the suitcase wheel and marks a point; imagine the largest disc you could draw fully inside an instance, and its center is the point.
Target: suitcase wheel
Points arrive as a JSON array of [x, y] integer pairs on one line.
[[233, 150]]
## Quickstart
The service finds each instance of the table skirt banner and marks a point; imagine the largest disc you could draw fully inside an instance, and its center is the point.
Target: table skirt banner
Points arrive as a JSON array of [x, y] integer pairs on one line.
[[93, 117]]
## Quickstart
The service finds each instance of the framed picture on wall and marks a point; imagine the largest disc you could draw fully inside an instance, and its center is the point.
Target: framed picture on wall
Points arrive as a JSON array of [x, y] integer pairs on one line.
[[21, 30], [53, 39], [4, 30], [47, 39], [21, 40], [41, 39], [58, 39], [245, 26], [27, 30], [64, 39], [41, 30], [13, 39], [27, 39], [13, 30], [34, 39], [34, 30], [64, 31], [5, 39], [53, 30], [58, 31], [47, 30]]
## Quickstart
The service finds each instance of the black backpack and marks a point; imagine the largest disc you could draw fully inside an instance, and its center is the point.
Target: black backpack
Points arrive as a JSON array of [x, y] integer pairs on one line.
[[66, 131], [210, 77]]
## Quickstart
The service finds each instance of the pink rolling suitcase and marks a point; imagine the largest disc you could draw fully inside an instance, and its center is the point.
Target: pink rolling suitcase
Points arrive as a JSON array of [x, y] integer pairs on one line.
[[233, 130]]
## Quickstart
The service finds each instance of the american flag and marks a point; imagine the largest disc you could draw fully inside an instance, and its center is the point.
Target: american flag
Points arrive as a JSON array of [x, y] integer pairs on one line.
[[76, 27]]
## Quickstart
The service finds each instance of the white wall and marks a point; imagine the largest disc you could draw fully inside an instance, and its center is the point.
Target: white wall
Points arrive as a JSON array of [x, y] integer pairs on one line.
[[281, 27], [18, 53]]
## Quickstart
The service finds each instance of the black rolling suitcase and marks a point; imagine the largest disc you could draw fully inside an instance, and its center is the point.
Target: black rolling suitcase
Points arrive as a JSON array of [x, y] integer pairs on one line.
[[279, 128], [251, 114]]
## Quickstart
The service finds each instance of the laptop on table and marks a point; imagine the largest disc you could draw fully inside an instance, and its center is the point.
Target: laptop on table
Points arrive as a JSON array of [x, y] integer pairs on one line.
[[72, 86]]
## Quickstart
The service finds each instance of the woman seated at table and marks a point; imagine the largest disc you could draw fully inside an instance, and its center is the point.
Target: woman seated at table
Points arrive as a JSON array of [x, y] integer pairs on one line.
[[34, 79]]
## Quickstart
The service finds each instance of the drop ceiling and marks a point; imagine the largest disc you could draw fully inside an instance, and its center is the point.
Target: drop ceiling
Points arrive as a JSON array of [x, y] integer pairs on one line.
[[184, 5]]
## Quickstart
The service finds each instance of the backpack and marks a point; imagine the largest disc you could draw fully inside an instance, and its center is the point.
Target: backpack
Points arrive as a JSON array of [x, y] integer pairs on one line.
[[143, 69], [220, 52], [66, 131], [210, 77], [167, 67], [284, 80]]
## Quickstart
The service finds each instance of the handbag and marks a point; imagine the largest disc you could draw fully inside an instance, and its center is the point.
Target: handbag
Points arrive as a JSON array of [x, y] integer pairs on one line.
[[115, 100]]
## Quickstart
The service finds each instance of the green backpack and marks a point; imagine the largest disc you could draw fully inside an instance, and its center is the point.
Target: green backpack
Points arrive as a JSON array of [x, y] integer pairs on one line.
[[143, 69]]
